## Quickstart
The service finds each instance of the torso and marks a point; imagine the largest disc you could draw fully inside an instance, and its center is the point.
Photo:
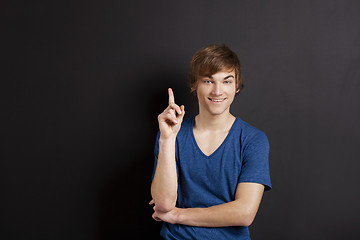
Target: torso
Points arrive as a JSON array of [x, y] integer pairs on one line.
[[209, 172]]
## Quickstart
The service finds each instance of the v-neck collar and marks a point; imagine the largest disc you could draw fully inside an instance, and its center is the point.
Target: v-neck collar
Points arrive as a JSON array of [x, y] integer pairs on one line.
[[220, 146]]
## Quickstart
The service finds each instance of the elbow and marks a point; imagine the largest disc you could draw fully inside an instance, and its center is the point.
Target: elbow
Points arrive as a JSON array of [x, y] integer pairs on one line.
[[163, 202], [245, 219], [164, 206]]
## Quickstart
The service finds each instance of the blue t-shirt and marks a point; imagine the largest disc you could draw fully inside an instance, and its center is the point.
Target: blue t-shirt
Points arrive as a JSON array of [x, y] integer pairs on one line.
[[205, 181]]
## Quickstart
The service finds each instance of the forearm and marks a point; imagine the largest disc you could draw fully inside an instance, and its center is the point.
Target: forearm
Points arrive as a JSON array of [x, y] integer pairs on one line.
[[232, 213], [164, 185]]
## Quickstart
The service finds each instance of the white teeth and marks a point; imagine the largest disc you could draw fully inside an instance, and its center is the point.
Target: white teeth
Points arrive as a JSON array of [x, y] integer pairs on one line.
[[216, 100]]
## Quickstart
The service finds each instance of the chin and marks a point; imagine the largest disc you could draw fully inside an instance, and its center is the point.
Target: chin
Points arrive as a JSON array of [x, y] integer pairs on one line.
[[216, 112]]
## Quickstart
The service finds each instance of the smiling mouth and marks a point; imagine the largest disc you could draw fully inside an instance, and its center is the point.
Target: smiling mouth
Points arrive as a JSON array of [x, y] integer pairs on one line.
[[216, 100]]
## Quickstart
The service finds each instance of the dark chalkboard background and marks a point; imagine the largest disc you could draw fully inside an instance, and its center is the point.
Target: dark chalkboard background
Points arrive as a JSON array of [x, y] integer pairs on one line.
[[83, 81]]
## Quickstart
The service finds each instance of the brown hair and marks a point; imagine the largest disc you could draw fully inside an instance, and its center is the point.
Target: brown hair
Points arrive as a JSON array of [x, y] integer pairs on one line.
[[212, 59]]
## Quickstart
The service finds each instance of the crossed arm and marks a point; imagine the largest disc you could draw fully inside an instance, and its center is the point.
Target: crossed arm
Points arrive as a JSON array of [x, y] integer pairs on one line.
[[240, 212]]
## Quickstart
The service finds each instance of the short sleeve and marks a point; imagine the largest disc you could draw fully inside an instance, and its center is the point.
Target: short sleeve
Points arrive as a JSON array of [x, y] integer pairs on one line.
[[255, 164]]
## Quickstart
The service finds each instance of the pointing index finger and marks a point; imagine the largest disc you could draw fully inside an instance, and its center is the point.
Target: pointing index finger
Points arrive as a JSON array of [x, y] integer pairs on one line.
[[171, 96]]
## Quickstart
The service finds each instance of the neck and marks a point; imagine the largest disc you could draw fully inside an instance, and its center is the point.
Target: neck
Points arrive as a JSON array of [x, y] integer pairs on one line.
[[214, 122]]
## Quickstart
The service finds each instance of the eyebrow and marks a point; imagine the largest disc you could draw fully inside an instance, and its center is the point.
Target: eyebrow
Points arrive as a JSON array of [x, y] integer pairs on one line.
[[227, 77]]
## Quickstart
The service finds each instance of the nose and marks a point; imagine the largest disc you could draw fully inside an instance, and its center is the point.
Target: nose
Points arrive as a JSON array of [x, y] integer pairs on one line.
[[217, 89]]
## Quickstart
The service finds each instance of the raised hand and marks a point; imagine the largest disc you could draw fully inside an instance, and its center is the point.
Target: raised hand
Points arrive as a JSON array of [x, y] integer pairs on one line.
[[171, 118]]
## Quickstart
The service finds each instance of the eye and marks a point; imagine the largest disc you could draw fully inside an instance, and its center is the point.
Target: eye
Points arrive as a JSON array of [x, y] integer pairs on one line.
[[227, 82], [207, 81]]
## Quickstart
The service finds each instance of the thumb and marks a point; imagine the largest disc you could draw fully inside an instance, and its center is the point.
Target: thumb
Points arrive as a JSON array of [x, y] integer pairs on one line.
[[181, 116]]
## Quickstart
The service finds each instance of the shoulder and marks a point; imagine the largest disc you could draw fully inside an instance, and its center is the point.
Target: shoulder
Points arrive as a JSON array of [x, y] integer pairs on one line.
[[186, 126], [248, 133], [187, 122]]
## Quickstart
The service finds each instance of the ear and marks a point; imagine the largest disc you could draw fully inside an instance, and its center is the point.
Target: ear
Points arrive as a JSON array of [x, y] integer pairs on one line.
[[237, 91]]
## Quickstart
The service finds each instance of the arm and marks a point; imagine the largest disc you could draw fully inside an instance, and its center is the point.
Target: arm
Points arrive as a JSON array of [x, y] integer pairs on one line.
[[240, 212], [164, 184]]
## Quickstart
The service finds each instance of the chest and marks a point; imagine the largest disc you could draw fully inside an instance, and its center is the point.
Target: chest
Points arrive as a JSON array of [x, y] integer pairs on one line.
[[209, 142], [206, 178]]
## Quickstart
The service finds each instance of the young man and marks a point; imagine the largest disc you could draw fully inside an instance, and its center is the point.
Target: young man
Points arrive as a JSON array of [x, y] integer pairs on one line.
[[211, 169]]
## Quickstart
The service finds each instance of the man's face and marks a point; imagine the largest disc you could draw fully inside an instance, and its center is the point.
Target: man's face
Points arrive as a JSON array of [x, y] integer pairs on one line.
[[216, 93]]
